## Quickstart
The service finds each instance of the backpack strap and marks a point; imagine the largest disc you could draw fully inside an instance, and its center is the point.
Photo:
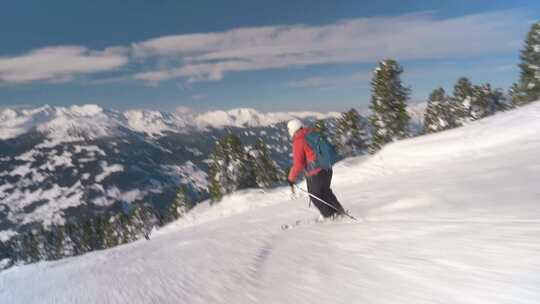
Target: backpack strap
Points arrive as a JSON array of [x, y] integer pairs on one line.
[[315, 147]]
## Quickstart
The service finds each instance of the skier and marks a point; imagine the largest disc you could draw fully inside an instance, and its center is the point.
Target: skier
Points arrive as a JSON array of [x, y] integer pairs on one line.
[[318, 178]]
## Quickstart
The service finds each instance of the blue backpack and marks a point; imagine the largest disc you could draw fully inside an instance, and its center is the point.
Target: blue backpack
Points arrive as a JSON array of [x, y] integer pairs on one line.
[[324, 151]]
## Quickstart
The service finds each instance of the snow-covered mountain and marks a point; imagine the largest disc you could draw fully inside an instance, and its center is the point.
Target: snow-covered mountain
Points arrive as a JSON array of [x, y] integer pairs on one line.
[[445, 218], [91, 121]]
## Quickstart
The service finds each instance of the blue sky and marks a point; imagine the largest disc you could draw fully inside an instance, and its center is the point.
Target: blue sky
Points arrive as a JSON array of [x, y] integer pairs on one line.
[[268, 55]]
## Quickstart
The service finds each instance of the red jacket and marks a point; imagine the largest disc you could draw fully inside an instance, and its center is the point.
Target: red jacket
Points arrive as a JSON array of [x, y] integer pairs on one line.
[[303, 155]]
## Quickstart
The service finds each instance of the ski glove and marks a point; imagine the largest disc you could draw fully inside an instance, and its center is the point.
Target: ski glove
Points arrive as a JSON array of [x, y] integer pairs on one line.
[[293, 192], [291, 183]]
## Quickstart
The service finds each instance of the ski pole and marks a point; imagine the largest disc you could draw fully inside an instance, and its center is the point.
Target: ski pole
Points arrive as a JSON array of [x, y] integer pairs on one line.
[[327, 204]]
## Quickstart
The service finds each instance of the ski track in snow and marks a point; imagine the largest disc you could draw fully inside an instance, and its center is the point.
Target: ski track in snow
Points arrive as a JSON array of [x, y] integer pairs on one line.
[[445, 218]]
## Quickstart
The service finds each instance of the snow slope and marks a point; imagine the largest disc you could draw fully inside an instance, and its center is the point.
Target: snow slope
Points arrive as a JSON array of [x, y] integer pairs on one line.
[[446, 218]]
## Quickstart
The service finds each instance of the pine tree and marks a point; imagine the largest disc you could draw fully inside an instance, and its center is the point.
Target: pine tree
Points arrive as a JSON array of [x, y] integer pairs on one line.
[[389, 119], [138, 223], [143, 220], [68, 246], [30, 246], [42, 237], [486, 101], [528, 89], [480, 102], [230, 169], [265, 170], [517, 95], [6, 255], [350, 136], [56, 242], [218, 175], [110, 233], [499, 101], [89, 241], [73, 239], [180, 205], [463, 89], [462, 101], [100, 227], [438, 116], [124, 222]]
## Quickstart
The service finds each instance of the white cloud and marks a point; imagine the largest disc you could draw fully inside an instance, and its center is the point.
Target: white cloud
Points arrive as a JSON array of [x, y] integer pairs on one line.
[[207, 57], [154, 76], [59, 64], [359, 79]]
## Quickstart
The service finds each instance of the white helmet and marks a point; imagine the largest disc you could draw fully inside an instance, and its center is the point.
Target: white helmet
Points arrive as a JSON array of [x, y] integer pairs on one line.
[[293, 126]]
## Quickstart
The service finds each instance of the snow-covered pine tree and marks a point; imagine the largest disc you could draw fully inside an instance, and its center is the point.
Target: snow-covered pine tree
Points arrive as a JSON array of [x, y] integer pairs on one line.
[[27, 247], [350, 135], [180, 205], [438, 116], [528, 89], [486, 101], [74, 235], [101, 224], [517, 95], [68, 246], [389, 118], [111, 238], [5, 260], [217, 173], [265, 169], [43, 237], [123, 224], [480, 102], [87, 236], [30, 247], [240, 168], [55, 246], [461, 101], [110, 235], [230, 168], [144, 219], [499, 101], [118, 235], [138, 222]]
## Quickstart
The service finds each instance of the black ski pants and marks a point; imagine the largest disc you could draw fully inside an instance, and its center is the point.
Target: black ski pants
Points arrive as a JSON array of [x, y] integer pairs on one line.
[[319, 186]]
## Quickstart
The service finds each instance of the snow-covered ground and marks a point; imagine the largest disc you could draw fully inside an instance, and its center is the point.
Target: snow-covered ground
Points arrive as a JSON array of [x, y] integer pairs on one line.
[[452, 217]]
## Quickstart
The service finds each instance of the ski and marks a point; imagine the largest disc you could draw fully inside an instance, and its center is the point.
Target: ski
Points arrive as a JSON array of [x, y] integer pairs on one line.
[[290, 226]]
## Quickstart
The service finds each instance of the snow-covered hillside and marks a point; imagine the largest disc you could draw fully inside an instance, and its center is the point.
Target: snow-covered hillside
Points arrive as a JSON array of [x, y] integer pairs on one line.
[[446, 218]]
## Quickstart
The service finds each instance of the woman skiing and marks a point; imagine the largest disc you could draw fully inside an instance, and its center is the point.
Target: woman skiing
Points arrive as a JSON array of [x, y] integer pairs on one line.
[[318, 171]]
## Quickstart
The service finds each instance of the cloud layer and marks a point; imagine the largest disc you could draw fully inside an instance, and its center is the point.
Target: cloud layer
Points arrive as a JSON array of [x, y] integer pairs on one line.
[[331, 81], [58, 64], [209, 56]]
